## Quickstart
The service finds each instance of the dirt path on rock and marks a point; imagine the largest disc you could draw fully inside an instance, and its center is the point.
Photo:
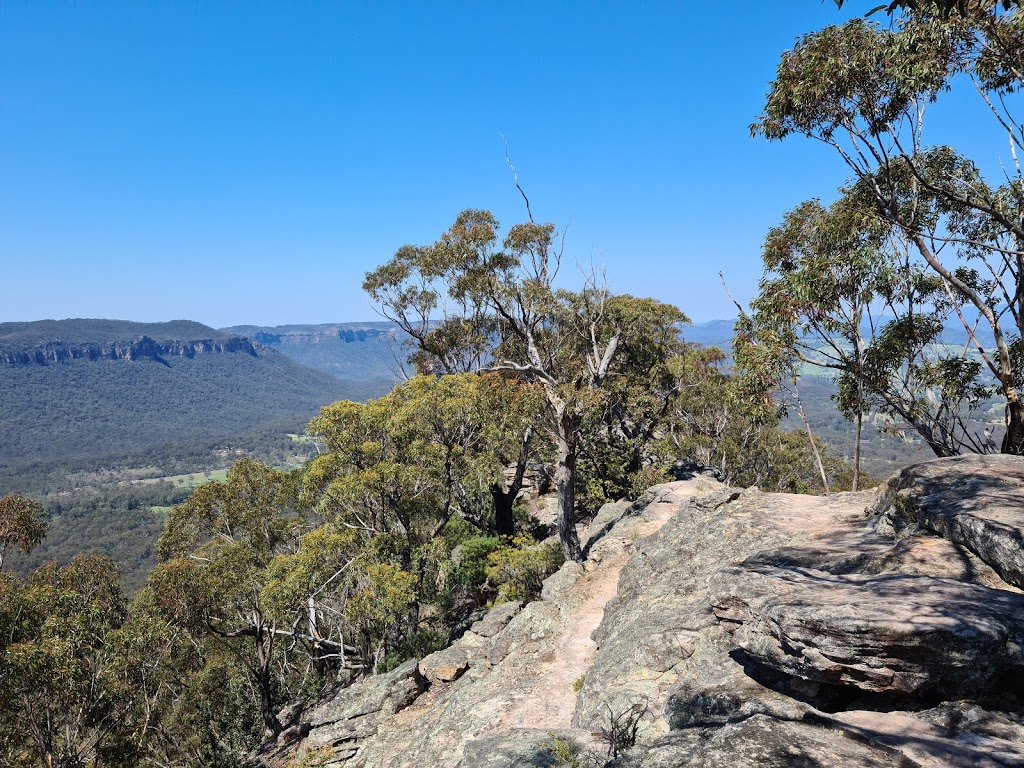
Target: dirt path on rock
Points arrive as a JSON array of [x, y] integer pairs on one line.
[[529, 687], [548, 698]]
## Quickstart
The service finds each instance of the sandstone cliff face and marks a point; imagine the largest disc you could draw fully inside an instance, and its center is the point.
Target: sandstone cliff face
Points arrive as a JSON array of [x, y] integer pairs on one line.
[[884, 628], [138, 349]]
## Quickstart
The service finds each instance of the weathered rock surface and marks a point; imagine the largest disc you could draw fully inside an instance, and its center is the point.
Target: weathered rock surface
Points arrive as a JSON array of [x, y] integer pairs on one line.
[[737, 629], [444, 666], [760, 742], [974, 501], [346, 721], [891, 633]]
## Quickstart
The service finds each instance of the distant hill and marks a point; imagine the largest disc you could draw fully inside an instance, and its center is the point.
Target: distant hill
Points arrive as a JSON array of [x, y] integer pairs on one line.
[[98, 418], [371, 352], [77, 388], [365, 352], [90, 331], [714, 333]]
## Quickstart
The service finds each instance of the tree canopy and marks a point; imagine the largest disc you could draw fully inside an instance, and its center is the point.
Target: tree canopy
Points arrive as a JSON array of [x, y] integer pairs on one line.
[[864, 90], [472, 301]]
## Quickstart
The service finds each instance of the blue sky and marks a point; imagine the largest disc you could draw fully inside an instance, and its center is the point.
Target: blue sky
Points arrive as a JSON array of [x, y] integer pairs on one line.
[[248, 162]]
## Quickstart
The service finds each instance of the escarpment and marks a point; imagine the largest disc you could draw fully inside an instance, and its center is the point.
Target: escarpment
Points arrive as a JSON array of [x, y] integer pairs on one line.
[[732, 628], [136, 349]]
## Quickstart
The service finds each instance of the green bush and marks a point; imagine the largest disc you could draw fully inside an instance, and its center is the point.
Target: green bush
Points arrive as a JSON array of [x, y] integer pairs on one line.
[[421, 643], [567, 753], [472, 568], [643, 479], [518, 568]]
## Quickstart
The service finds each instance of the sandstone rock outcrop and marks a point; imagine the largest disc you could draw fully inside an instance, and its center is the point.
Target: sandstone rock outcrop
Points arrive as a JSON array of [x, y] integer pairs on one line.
[[142, 348], [883, 628], [974, 501]]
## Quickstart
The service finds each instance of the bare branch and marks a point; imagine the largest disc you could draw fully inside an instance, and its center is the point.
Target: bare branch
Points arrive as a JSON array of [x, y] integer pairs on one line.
[[515, 176]]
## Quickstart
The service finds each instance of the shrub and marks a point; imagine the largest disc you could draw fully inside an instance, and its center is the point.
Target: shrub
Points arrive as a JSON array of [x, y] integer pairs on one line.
[[472, 568], [642, 480], [314, 758], [519, 567], [563, 753], [421, 643], [621, 732]]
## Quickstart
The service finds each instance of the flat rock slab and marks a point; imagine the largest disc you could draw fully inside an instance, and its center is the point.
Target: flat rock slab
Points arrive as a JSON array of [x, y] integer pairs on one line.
[[521, 748], [893, 633], [974, 501], [760, 742], [931, 745]]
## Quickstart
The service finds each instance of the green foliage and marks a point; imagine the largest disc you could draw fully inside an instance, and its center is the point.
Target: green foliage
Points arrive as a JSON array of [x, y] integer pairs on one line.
[[862, 89], [432, 449], [564, 752], [216, 714], [314, 758], [414, 646], [217, 552], [587, 352], [179, 401], [21, 524], [643, 479], [383, 593], [126, 423], [61, 702], [471, 570], [519, 567]]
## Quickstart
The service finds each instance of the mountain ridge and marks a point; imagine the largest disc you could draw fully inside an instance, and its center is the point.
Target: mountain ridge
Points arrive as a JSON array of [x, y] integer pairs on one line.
[[81, 330]]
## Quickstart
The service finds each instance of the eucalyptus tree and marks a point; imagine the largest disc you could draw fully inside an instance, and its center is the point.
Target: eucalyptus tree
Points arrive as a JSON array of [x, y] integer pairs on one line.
[[863, 90], [624, 433], [822, 273], [432, 448], [451, 325], [260, 582], [393, 473], [502, 311], [942, 8], [215, 557], [842, 292], [60, 702], [21, 524]]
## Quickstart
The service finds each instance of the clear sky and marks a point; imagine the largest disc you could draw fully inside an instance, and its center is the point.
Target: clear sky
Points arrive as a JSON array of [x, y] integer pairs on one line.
[[247, 162]]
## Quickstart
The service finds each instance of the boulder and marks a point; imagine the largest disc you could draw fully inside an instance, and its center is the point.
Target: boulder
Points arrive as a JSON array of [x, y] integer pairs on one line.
[[520, 748], [973, 501], [496, 619], [345, 721], [894, 633], [759, 742], [607, 516], [444, 666], [364, 703]]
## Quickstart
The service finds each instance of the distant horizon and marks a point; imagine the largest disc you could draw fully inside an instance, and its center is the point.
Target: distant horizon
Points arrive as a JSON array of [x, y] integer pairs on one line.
[[252, 162], [254, 325]]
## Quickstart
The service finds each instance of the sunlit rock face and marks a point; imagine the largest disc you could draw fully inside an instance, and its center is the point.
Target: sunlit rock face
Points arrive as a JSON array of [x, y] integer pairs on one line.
[[736, 628]]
